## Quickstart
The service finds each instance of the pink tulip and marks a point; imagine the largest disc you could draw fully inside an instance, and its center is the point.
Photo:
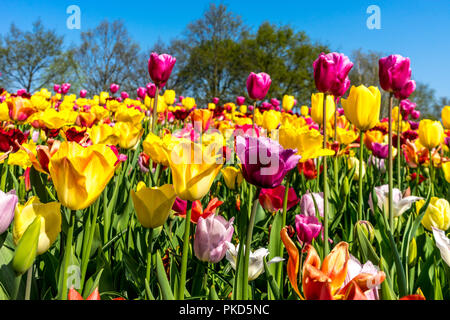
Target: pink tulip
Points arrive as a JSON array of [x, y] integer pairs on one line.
[[160, 67], [124, 95], [211, 237], [8, 202], [307, 204], [275, 102], [215, 100], [394, 72], [151, 90], [83, 93], [114, 88], [21, 92], [272, 199], [415, 114], [240, 101], [258, 85], [141, 92], [331, 73], [406, 91], [57, 88], [307, 227], [179, 206]]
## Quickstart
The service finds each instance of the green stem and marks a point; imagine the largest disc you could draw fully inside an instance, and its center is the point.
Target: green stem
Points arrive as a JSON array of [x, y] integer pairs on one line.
[[431, 173], [399, 153], [28, 285], [149, 253], [248, 242], [87, 252], [325, 183], [17, 281], [360, 194], [184, 257], [155, 110], [390, 165], [67, 253]]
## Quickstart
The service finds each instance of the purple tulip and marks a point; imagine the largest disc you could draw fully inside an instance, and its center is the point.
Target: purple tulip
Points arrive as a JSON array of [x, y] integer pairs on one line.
[[264, 161], [447, 141], [141, 92], [151, 90], [275, 102], [258, 85], [307, 227], [124, 95], [413, 124], [114, 88], [83, 93], [8, 202], [65, 87], [57, 88], [380, 150], [394, 73], [240, 101], [406, 107], [215, 100], [307, 207], [160, 67], [211, 237], [331, 73]]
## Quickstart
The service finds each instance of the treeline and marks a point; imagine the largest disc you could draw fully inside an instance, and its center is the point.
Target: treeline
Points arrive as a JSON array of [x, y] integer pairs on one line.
[[214, 55]]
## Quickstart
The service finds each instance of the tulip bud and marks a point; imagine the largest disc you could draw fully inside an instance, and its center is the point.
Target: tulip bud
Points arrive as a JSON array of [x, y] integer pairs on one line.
[[160, 68], [124, 95], [83, 93], [114, 88], [240, 101], [346, 187], [258, 85], [367, 228], [27, 247], [151, 90], [141, 92], [412, 252]]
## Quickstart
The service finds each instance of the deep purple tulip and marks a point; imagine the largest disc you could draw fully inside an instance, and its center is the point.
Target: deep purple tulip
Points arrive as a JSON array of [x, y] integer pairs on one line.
[[151, 90], [57, 88], [258, 85], [447, 141], [83, 93], [379, 150], [124, 95], [211, 237], [413, 124], [160, 67], [141, 92], [264, 161], [114, 88], [307, 227], [331, 73], [307, 207], [215, 100], [394, 72], [8, 202], [240, 101]]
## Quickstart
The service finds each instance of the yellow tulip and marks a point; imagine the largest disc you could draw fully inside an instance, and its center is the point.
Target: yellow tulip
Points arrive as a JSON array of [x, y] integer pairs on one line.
[[99, 112], [304, 110], [445, 115], [49, 215], [169, 97], [232, 177], [188, 103], [53, 119], [346, 137], [125, 114], [243, 108], [271, 120], [193, 170], [362, 107], [437, 214], [317, 107], [40, 102], [129, 134], [103, 96], [309, 143], [431, 133], [446, 169], [353, 162], [80, 174], [153, 205], [288, 102], [4, 112], [156, 149]]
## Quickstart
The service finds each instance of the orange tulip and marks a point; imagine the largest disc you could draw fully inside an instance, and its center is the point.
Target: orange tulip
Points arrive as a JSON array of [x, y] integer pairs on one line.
[[293, 262]]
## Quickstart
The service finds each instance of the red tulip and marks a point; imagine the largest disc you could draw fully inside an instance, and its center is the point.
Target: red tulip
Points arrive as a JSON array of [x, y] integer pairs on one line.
[[272, 199]]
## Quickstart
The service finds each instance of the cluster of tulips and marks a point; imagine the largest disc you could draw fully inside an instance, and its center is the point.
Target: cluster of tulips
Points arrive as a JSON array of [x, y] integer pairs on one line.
[[155, 198]]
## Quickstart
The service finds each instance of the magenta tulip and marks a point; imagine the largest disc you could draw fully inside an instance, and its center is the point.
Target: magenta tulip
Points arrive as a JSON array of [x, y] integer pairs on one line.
[[179, 206], [240, 101], [57, 88], [21, 92], [141, 92], [406, 91], [307, 228], [124, 95], [65, 87], [114, 88], [272, 199], [160, 68], [275, 102], [331, 73], [379, 150], [215, 100], [394, 72], [8, 202], [151, 90], [258, 85], [211, 237], [83, 93], [415, 114]]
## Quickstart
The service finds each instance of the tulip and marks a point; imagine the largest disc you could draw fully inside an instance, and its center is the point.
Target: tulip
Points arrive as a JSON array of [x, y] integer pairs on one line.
[[153, 205], [74, 295], [65, 87], [431, 133], [169, 97], [307, 227], [151, 90], [437, 214], [353, 162], [317, 108], [308, 169], [367, 228], [114, 88], [288, 102], [57, 88], [394, 73], [445, 115], [304, 110], [362, 107], [415, 114], [443, 244], [264, 161], [271, 120], [8, 202], [256, 260], [141, 92], [179, 206], [124, 95], [272, 199], [48, 213], [240, 101], [20, 109], [379, 150], [160, 67], [80, 174], [201, 118], [406, 91], [211, 237], [307, 206], [129, 134], [10, 138], [400, 203], [193, 170], [83, 93], [446, 169], [233, 177], [258, 85], [331, 73]]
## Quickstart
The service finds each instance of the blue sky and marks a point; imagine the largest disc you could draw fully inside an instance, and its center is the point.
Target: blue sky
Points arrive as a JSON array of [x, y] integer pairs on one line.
[[418, 29]]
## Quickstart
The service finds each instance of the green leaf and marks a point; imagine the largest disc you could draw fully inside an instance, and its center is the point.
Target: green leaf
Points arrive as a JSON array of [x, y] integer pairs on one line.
[[274, 242], [366, 249], [26, 249], [162, 278]]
